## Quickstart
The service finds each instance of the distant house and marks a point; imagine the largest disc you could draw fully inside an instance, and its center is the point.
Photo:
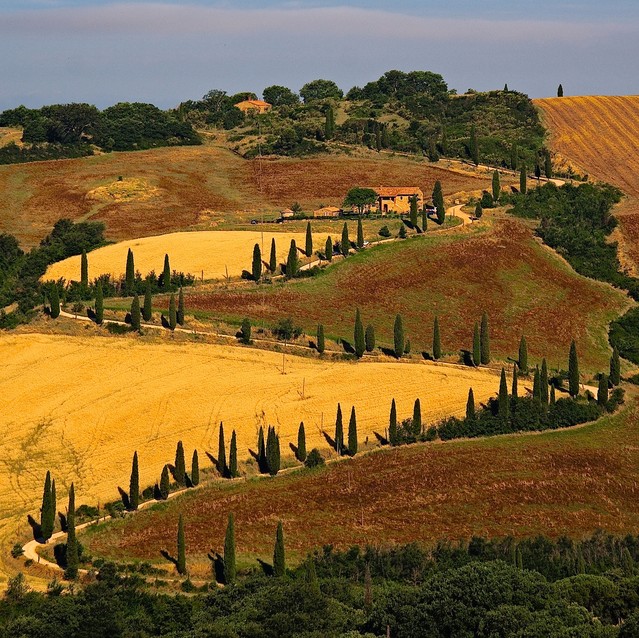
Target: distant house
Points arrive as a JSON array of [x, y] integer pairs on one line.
[[287, 213], [327, 211], [396, 199], [255, 106]]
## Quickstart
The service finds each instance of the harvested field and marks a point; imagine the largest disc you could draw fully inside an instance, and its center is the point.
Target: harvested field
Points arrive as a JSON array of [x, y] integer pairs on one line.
[[571, 482], [198, 187], [206, 253], [81, 406], [524, 287]]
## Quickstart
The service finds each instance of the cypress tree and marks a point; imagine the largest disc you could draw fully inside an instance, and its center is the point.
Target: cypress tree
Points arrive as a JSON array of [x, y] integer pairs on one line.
[[54, 506], [474, 146], [73, 560], [537, 168], [479, 211], [329, 126], [180, 465], [84, 272], [47, 511], [230, 569], [346, 242], [602, 391], [437, 343], [476, 345], [256, 268], [222, 467], [504, 402], [147, 309], [172, 312], [181, 548], [292, 263], [438, 202], [321, 343], [485, 340], [543, 382], [573, 371], [99, 304], [195, 469], [360, 233], [360, 343], [519, 559], [165, 483], [417, 418], [548, 165], [129, 276], [301, 443], [339, 431], [470, 406], [55, 301], [615, 368], [514, 157], [329, 249], [310, 576], [407, 346], [392, 425], [537, 386], [496, 186], [523, 355], [398, 336], [369, 338], [261, 452], [273, 452], [309, 240], [135, 312], [560, 91], [134, 484], [413, 210], [514, 391], [352, 433], [552, 394], [245, 331], [272, 263], [402, 232], [166, 274], [180, 309], [279, 560], [233, 471], [424, 218], [523, 179]]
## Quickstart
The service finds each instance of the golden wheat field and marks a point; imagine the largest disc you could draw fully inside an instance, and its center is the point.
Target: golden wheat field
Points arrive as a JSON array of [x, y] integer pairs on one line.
[[211, 254], [81, 406]]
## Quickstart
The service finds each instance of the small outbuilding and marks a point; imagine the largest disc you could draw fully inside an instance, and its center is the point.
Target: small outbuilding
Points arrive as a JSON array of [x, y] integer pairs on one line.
[[327, 211]]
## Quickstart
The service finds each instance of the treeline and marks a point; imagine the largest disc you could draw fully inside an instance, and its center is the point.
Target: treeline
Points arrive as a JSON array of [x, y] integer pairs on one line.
[[72, 130]]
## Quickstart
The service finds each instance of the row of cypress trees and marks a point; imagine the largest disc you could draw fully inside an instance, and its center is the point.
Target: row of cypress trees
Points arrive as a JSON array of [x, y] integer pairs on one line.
[[268, 451], [227, 470], [350, 446], [129, 275], [481, 342]]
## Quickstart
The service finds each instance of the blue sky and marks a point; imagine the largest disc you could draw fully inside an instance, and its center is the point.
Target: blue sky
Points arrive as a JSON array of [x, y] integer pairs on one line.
[[101, 51]]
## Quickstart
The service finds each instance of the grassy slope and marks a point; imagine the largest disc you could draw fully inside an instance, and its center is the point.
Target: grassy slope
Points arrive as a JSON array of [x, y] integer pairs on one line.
[[570, 482], [524, 287]]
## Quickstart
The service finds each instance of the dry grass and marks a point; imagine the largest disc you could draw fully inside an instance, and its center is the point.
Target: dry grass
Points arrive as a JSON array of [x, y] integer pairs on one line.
[[125, 190], [210, 254], [10, 135]]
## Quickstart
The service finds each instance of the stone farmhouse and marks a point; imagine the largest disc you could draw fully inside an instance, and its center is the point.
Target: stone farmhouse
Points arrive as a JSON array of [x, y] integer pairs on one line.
[[396, 199], [253, 106]]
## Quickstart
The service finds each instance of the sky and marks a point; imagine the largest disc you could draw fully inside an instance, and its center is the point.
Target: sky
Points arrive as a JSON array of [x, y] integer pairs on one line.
[[165, 51]]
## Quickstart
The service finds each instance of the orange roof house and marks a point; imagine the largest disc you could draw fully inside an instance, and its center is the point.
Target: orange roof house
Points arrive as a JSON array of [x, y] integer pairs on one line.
[[396, 199], [257, 106], [327, 211]]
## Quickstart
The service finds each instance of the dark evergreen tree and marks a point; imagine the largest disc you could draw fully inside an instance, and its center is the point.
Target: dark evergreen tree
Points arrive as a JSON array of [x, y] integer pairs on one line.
[[473, 147], [437, 342], [301, 443], [54, 505], [339, 431], [129, 276], [233, 469], [329, 249], [84, 272], [548, 165], [470, 406], [310, 576], [272, 452], [352, 433], [360, 233], [398, 336], [537, 169], [438, 202], [230, 569], [256, 268], [413, 210], [245, 331], [180, 309], [505, 88], [181, 548], [261, 452], [573, 371], [407, 346], [504, 400], [543, 383], [602, 391], [537, 386], [346, 242], [523, 355], [180, 465], [476, 345], [135, 312], [166, 274], [514, 157], [392, 424], [72, 553], [172, 312], [369, 338], [360, 343], [560, 91], [496, 186], [272, 262], [514, 390], [55, 301], [165, 483], [321, 343], [222, 467], [279, 560], [615, 368], [329, 126], [552, 394], [195, 469], [485, 340], [402, 232], [147, 309], [479, 211], [417, 418], [523, 179], [134, 484], [292, 263], [424, 218], [47, 511], [99, 304]]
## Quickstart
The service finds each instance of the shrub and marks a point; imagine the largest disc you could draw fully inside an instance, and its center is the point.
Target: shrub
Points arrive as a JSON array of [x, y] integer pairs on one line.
[[384, 232], [314, 459]]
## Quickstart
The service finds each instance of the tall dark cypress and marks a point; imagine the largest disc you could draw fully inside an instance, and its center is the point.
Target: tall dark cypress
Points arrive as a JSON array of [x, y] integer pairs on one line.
[[233, 469], [560, 91], [369, 338], [543, 383], [55, 301], [470, 406], [573, 371], [261, 452], [392, 424], [548, 165], [166, 274], [256, 268], [47, 511], [339, 431], [329, 125], [165, 483], [321, 343], [84, 272], [222, 467], [360, 233], [485, 340], [292, 263], [413, 210], [437, 342], [536, 386], [273, 452], [181, 548], [301, 443], [523, 179], [54, 505], [615, 368], [72, 554], [417, 418], [129, 275], [552, 394], [523, 355], [352, 433], [398, 336], [230, 569], [180, 465], [476, 345], [279, 558], [99, 304], [438, 202], [135, 313], [496, 186], [514, 157], [195, 469], [514, 390], [147, 308], [424, 218], [329, 249], [360, 343], [272, 263], [602, 391], [179, 317], [474, 146], [134, 484], [346, 242], [504, 401], [308, 249], [172, 312]]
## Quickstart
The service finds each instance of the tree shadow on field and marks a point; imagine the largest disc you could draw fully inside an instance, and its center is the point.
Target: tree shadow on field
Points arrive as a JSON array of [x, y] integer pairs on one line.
[[389, 352], [217, 561], [37, 529], [427, 356], [348, 348], [467, 358]]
